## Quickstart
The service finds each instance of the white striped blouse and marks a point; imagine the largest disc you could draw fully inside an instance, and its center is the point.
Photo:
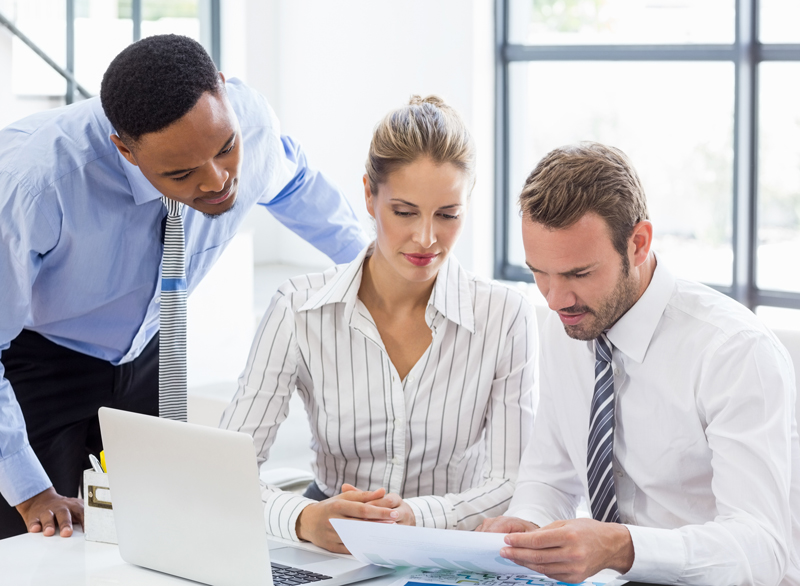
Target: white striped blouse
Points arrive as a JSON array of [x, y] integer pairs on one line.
[[448, 438]]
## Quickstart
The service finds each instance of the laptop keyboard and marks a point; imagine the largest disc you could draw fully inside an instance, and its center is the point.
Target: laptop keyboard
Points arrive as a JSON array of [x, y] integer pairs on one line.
[[288, 576]]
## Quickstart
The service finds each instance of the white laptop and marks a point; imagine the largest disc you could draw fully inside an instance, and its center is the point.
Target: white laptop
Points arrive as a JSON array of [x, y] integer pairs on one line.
[[187, 502]]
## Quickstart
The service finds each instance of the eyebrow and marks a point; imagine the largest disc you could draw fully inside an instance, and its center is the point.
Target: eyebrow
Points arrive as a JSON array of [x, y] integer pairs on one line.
[[408, 203], [182, 171], [570, 273]]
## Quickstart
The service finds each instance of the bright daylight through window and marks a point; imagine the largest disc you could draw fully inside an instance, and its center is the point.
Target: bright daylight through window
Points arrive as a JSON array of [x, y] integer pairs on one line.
[[705, 99]]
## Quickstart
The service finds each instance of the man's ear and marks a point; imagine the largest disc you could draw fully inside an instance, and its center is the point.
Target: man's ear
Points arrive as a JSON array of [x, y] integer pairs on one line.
[[640, 242], [124, 150]]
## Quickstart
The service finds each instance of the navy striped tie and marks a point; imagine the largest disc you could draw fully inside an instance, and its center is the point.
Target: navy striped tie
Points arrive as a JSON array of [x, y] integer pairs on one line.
[[172, 333], [602, 495]]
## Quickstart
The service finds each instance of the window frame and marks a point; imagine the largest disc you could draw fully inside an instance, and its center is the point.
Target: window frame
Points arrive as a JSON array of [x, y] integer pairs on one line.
[[210, 9], [746, 53]]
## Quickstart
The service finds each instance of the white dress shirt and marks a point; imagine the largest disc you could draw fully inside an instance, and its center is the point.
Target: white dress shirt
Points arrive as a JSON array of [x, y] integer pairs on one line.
[[706, 454], [447, 438]]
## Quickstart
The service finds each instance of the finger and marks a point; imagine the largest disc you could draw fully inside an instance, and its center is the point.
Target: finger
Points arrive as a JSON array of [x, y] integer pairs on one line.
[[363, 496], [77, 512], [539, 539], [538, 557], [367, 512], [35, 526], [64, 520], [391, 501], [48, 523], [348, 487]]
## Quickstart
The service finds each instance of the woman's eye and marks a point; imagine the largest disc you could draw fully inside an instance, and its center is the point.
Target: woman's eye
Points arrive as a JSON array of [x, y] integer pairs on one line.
[[449, 217], [402, 214]]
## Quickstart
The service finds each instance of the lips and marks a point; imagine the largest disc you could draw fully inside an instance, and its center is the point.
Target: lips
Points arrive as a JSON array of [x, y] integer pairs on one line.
[[420, 260], [218, 199], [571, 319]]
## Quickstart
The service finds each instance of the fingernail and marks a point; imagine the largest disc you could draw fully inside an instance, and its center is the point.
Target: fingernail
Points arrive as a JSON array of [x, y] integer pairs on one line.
[[507, 539], [394, 514]]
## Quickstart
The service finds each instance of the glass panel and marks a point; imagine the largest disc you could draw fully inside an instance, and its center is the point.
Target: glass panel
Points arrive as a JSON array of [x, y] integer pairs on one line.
[[621, 22], [779, 21], [779, 177], [675, 122], [102, 30], [45, 23], [779, 318], [179, 17]]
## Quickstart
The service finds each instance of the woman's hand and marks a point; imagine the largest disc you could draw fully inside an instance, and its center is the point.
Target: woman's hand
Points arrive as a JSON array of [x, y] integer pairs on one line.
[[314, 524], [391, 501]]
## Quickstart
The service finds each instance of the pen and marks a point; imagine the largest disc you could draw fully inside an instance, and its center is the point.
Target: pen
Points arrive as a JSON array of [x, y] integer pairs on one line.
[[95, 463]]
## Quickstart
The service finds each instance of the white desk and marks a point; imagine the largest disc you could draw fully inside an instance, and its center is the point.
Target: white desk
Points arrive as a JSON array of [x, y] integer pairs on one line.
[[35, 560]]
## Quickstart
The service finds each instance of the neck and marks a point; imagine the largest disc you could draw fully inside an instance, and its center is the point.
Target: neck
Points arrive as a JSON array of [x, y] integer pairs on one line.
[[384, 288], [645, 273]]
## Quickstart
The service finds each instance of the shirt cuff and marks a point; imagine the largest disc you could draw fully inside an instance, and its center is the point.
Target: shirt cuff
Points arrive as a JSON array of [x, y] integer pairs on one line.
[[658, 555], [22, 476], [281, 511], [433, 511], [351, 250]]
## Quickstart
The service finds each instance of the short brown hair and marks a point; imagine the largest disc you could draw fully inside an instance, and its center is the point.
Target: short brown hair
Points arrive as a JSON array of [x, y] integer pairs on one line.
[[426, 127], [573, 180]]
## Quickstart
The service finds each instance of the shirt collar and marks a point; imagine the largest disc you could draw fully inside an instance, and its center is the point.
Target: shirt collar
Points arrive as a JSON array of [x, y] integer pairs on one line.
[[142, 190], [450, 296], [634, 331]]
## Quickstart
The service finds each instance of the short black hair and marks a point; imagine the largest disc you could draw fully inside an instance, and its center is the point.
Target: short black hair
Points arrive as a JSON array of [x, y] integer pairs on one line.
[[154, 82]]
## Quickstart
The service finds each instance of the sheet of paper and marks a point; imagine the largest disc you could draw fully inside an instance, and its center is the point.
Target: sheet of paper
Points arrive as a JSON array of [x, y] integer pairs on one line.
[[452, 578], [399, 545]]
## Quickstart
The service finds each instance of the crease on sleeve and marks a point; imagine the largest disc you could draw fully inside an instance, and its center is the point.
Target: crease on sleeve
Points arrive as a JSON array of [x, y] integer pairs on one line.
[[29, 477], [281, 510], [659, 555], [433, 511]]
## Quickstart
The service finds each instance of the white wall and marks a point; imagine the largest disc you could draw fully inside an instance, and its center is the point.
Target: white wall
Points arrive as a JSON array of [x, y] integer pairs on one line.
[[332, 69]]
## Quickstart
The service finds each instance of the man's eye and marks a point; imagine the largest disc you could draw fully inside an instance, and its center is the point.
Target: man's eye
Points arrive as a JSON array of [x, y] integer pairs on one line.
[[229, 149], [182, 177], [581, 275]]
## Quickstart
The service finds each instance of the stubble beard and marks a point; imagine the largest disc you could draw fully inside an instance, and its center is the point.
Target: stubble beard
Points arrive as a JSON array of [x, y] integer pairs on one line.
[[611, 308]]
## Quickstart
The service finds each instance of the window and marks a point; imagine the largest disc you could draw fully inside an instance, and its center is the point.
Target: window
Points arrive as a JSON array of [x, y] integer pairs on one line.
[[83, 36], [706, 105]]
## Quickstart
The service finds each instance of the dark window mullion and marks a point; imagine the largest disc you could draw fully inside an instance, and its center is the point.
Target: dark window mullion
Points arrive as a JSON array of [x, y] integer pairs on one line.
[[503, 203], [744, 156]]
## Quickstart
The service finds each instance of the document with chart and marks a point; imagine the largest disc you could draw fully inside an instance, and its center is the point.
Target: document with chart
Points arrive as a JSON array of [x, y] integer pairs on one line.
[[393, 545]]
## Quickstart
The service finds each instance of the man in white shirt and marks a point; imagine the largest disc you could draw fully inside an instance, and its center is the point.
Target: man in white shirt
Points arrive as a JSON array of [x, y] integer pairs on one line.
[[668, 406]]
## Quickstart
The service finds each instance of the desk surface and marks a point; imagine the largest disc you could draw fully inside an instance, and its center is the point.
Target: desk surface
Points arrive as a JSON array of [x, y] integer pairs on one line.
[[35, 560]]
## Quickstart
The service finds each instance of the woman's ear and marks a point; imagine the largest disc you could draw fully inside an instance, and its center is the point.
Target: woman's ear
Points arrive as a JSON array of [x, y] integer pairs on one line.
[[368, 196]]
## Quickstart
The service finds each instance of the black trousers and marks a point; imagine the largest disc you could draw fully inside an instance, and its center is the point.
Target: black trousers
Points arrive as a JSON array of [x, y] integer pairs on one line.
[[60, 391]]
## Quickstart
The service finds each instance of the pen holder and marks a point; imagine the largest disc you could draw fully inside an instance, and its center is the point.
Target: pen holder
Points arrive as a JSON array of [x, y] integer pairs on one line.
[[98, 516]]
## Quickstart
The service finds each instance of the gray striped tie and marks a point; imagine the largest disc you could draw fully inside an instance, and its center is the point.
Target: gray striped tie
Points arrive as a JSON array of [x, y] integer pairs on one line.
[[172, 336], [602, 496]]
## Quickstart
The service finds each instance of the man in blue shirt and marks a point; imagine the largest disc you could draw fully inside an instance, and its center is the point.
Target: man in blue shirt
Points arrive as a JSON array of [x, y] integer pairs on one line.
[[81, 245]]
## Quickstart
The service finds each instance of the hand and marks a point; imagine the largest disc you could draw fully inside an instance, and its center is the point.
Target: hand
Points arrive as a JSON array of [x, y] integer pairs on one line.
[[506, 525], [49, 510], [391, 501], [571, 551], [313, 523]]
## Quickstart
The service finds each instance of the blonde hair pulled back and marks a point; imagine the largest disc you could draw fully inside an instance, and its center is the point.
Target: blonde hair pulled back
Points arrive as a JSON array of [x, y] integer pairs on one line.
[[426, 127]]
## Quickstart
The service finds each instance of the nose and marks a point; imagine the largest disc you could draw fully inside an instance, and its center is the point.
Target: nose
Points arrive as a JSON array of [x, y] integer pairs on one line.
[[215, 178], [424, 235], [558, 295]]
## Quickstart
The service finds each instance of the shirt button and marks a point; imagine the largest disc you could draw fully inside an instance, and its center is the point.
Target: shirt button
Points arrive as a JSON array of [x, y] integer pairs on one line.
[[158, 299], [410, 379], [616, 372], [394, 378], [620, 473], [398, 422], [397, 461]]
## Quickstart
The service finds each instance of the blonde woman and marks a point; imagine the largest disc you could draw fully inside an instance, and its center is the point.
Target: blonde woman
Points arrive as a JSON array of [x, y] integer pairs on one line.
[[417, 376]]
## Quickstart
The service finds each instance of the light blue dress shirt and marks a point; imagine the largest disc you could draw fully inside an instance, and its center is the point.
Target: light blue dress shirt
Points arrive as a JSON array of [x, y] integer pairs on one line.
[[80, 240]]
